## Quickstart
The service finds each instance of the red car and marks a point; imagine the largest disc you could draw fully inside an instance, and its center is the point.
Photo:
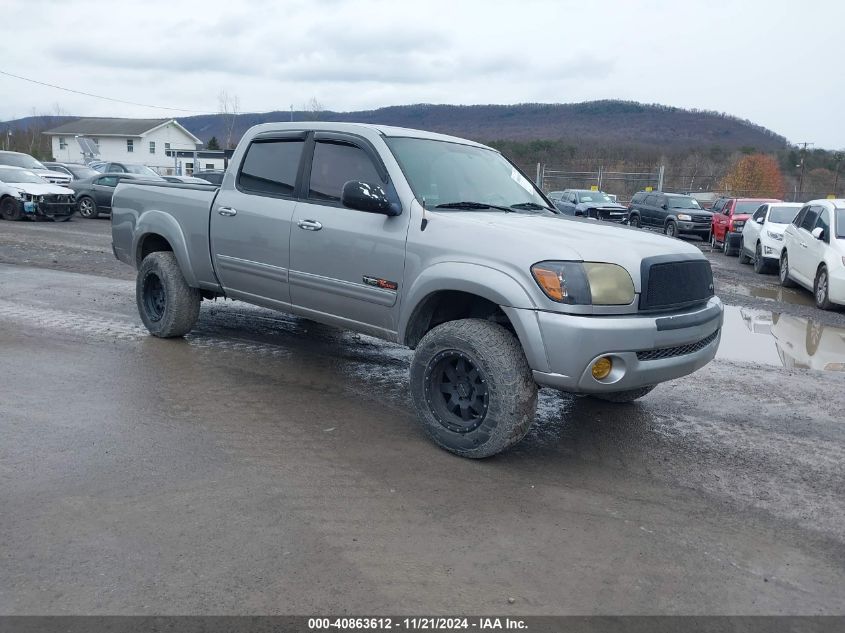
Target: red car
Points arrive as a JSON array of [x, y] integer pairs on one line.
[[729, 216]]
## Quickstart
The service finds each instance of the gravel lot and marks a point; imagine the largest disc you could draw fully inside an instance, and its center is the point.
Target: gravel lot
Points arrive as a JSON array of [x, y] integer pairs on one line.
[[268, 464]]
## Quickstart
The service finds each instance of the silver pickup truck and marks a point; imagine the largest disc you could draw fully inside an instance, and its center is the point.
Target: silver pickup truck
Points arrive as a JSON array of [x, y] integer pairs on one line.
[[434, 242]]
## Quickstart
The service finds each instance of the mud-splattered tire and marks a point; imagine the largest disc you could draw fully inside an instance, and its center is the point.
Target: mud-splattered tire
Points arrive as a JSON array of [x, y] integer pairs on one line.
[[168, 306], [472, 387], [760, 264], [634, 221], [10, 209], [671, 229], [821, 289], [743, 258], [623, 396]]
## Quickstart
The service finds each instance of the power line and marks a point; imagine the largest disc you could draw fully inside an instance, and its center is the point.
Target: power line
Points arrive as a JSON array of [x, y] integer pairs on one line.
[[88, 94]]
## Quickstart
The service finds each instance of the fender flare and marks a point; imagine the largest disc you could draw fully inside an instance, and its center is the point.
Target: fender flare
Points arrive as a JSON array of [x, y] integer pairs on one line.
[[155, 222]]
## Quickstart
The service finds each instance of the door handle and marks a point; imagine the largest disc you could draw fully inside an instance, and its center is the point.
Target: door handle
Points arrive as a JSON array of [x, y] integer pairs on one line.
[[803, 245], [309, 225], [227, 211]]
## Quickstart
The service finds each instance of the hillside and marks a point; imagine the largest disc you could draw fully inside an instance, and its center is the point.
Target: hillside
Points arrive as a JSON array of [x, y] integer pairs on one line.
[[596, 123]]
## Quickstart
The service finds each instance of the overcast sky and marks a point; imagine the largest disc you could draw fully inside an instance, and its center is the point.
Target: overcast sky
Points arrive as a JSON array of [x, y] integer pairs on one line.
[[777, 63]]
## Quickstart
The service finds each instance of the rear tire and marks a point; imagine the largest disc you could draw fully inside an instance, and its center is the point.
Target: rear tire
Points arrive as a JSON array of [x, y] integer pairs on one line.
[[472, 388], [87, 207], [622, 397], [785, 281], [821, 289], [168, 306], [10, 209]]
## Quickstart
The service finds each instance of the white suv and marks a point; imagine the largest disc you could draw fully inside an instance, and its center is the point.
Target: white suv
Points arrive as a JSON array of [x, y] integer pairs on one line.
[[814, 251], [762, 235]]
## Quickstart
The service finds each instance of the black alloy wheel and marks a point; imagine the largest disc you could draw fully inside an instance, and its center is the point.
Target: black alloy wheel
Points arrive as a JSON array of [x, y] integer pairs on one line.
[[457, 391]]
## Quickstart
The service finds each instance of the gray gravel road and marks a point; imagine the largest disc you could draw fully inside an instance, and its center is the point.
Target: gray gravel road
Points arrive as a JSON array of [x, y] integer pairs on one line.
[[267, 464]]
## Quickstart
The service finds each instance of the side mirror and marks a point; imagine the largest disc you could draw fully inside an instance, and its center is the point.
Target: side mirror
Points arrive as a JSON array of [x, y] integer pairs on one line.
[[363, 196], [760, 220], [818, 233], [665, 207]]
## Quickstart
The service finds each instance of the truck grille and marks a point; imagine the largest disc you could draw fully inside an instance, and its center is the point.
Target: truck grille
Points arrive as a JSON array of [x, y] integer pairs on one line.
[[702, 218], [681, 350], [671, 284]]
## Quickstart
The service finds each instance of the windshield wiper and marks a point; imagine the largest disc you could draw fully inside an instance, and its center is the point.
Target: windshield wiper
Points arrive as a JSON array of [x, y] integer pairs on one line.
[[532, 206], [472, 205]]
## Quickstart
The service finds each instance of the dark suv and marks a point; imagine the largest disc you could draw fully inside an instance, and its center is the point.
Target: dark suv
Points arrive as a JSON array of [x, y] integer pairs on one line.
[[673, 213]]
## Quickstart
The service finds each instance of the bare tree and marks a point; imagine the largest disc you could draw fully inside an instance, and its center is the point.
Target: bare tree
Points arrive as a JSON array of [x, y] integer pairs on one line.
[[312, 109], [229, 107]]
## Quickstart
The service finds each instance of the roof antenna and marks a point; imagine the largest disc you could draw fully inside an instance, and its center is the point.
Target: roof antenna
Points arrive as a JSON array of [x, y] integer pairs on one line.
[[424, 222]]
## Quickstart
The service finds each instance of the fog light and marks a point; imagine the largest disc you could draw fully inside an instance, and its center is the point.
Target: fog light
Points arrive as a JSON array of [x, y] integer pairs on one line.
[[602, 367]]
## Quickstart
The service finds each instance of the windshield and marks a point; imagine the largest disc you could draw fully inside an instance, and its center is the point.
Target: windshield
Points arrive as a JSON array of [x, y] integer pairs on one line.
[[683, 203], [747, 207], [441, 172], [782, 215], [143, 170], [594, 196], [20, 160], [19, 175], [840, 223]]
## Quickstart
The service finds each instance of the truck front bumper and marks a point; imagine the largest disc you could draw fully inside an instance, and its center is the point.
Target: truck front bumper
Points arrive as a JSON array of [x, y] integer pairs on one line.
[[644, 349]]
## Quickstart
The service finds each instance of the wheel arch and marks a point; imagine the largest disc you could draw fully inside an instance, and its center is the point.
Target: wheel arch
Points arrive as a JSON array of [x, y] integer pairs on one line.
[[156, 231]]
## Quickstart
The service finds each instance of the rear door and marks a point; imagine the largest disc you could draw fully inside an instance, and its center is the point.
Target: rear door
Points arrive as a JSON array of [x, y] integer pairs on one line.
[[346, 265], [800, 259], [649, 210], [250, 222]]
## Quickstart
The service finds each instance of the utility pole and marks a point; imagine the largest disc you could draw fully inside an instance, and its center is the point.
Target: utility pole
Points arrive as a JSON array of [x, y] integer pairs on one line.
[[291, 113], [803, 152], [838, 156]]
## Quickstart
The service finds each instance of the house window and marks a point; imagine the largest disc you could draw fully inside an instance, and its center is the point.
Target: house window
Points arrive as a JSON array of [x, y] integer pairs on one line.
[[166, 146], [130, 145], [62, 142], [189, 168], [209, 165], [152, 147]]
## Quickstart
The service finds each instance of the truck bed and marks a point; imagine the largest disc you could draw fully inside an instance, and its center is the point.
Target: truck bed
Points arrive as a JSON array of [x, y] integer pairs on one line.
[[182, 208]]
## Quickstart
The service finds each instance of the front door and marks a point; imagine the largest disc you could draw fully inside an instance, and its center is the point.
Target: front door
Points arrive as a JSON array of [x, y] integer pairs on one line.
[[103, 190], [801, 260], [250, 222], [346, 266]]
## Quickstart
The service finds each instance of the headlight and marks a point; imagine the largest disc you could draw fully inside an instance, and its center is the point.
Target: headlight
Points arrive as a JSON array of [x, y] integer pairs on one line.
[[685, 217], [584, 283], [40, 198], [737, 226], [775, 236]]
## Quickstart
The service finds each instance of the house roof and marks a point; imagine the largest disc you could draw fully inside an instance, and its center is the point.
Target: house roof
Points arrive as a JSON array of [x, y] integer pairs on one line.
[[98, 126]]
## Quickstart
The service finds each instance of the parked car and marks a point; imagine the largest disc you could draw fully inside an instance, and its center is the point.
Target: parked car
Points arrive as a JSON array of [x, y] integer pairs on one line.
[[185, 179], [762, 236], [434, 242], [25, 194], [94, 194], [729, 218], [589, 204], [75, 171], [813, 253], [215, 177], [673, 213], [25, 161], [126, 168]]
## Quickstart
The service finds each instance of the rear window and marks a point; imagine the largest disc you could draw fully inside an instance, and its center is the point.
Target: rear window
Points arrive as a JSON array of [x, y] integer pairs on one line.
[[270, 167], [840, 223], [782, 215], [746, 207]]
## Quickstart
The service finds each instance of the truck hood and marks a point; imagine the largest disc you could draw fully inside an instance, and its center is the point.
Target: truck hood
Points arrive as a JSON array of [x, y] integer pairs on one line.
[[611, 206], [38, 189], [528, 239]]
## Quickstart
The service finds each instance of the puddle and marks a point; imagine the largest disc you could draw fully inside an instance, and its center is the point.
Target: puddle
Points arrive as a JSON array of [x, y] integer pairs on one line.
[[781, 340], [793, 296]]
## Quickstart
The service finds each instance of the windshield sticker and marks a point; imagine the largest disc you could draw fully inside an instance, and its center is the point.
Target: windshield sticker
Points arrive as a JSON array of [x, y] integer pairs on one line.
[[521, 180]]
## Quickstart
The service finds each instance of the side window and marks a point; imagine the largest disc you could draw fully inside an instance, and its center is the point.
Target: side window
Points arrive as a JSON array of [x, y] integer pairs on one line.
[[760, 213], [727, 209], [637, 199], [717, 206], [270, 167], [810, 217], [799, 217], [334, 165], [824, 223], [108, 181], [651, 200]]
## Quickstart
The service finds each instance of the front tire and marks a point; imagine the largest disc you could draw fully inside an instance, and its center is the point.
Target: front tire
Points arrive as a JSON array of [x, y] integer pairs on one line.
[[472, 388], [635, 221], [9, 209], [623, 397], [743, 258], [821, 289], [760, 264], [783, 273], [168, 306], [671, 229], [87, 208]]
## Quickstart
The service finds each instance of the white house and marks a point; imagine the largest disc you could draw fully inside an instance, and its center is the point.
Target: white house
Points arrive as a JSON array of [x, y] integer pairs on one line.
[[150, 142]]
